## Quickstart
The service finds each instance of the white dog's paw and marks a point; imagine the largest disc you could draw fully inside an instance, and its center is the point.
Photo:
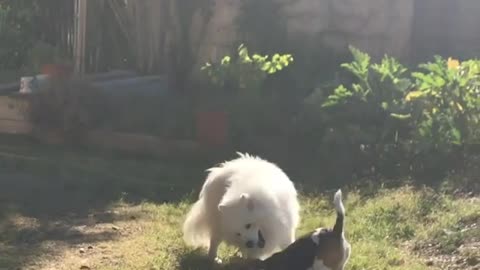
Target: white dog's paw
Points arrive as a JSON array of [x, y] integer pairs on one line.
[[217, 260]]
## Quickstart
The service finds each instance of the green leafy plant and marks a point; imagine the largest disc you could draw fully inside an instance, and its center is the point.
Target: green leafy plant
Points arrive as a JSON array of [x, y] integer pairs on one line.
[[380, 84], [448, 93], [245, 71], [365, 122], [377, 95], [18, 31], [421, 116], [240, 80]]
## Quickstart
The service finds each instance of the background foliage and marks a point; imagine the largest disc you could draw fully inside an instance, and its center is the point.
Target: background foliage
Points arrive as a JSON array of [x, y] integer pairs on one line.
[[18, 31], [314, 114]]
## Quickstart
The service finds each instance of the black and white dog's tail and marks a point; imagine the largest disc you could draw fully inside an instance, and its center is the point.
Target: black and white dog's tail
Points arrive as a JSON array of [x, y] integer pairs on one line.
[[337, 201]]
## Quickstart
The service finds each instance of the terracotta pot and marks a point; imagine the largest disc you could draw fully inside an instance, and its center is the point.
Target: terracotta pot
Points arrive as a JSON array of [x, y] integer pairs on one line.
[[212, 128], [57, 70]]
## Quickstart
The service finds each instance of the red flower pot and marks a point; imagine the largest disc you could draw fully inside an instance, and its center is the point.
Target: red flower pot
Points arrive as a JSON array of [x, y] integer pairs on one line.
[[57, 70], [212, 128]]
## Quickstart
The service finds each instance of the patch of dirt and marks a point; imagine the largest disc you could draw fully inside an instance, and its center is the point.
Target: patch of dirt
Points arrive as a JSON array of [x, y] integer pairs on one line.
[[464, 257], [80, 243], [458, 260]]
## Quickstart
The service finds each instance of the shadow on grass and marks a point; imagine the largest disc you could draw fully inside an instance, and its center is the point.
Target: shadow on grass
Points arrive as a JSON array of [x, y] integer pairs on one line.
[[24, 241], [197, 260], [47, 193]]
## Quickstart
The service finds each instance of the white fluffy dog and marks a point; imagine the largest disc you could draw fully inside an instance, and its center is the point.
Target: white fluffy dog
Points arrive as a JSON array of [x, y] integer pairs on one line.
[[247, 202]]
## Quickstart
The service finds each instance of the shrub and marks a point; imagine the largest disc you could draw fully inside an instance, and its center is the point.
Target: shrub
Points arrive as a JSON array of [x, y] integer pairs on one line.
[[393, 119], [18, 31], [369, 117], [381, 87], [448, 93]]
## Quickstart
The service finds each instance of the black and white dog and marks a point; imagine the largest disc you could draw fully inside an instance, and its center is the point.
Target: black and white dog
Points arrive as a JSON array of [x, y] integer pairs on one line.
[[322, 249]]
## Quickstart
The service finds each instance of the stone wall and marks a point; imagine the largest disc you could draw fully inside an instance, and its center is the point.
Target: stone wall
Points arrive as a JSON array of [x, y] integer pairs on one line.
[[376, 26], [407, 29], [450, 28]]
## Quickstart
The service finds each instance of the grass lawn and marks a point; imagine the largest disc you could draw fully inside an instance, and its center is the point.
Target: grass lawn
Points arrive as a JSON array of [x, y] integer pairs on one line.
[[69, 209]]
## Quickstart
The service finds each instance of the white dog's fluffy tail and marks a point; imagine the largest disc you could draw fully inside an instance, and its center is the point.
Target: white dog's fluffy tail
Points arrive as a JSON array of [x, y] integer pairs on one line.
[[195, 228], [340, 209]]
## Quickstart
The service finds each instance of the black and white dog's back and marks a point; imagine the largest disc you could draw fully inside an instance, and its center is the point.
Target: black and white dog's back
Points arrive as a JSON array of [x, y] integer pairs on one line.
[[322, 249]]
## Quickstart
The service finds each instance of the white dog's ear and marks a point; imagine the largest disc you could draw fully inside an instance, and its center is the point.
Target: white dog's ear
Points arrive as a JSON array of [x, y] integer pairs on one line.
[[244, 197], [224, 204], [249, 202]]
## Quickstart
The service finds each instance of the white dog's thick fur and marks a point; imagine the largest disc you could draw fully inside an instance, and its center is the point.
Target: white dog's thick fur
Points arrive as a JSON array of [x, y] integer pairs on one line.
[[247, 202]]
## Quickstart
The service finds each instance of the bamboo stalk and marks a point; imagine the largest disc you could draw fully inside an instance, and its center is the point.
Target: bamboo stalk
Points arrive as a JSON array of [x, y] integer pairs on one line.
[[80, 29]]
